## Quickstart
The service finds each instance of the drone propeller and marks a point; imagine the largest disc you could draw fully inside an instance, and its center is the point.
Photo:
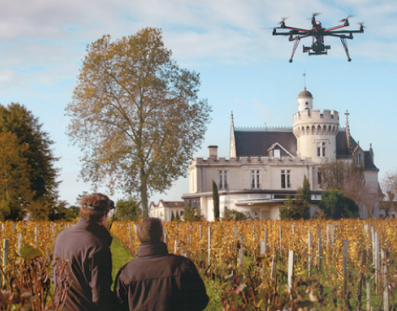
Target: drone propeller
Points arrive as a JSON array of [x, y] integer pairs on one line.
[[283, 19], [362, 25], [345, 19], [314, 15]]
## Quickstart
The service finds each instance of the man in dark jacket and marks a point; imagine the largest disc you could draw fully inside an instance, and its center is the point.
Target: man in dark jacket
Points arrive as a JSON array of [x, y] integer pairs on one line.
[[85, 247], [157, 280]]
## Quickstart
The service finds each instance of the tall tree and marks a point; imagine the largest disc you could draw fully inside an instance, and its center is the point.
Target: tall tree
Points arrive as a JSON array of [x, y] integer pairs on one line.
[[18, 120], [128, 210], [299, 208], [345, 176], [136, 114], [215, 199], [15, 190], [335, 205], [389, 189]]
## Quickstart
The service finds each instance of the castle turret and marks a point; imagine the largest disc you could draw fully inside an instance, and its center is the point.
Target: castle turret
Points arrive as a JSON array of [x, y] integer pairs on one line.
[[305, 100], [314, 130]]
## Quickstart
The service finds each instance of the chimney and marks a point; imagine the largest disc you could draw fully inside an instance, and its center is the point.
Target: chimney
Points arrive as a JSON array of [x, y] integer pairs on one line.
[[371, 151], [213, 152]]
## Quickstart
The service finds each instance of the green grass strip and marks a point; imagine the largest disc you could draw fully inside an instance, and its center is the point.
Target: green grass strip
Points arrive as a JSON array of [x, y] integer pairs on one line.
[[120, 256]]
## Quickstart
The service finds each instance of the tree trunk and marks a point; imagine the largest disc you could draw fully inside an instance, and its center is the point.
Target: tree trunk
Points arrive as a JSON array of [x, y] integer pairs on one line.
[[144, 196]]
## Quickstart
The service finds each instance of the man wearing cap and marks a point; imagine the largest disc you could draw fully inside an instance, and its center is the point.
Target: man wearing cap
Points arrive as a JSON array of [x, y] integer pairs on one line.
[[86, 247]]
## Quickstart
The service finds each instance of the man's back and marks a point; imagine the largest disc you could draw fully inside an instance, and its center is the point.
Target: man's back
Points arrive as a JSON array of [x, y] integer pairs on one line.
[[86, 248], [157, 280]]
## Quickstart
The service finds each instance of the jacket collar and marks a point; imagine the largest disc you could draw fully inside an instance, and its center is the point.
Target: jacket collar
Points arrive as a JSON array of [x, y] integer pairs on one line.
[[101, 232], [152, 249]]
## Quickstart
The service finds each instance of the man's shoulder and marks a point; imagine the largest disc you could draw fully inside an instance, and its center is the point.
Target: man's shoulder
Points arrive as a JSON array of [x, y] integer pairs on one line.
[[152, 267], [75, 238]]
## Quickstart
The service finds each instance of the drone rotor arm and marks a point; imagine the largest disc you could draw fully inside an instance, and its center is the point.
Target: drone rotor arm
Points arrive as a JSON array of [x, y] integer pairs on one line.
[[342, 32], [289, 33], [333, 28], [297, 29]]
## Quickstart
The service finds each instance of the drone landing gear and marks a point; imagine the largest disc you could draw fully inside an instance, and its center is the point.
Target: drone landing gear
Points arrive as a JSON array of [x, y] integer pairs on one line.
[[294, 48], [343, 40]]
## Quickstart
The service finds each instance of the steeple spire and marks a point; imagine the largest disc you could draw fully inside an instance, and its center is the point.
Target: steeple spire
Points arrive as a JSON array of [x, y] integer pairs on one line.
[[348, 138], [232, 150]]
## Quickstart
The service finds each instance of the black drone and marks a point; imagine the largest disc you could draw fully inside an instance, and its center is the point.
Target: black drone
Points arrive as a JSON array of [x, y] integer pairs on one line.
[[318, 33]]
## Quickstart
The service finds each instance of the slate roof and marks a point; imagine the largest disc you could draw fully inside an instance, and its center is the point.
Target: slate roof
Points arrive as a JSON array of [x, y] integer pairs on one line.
[[368, 161], [169, 204], [256, 143]]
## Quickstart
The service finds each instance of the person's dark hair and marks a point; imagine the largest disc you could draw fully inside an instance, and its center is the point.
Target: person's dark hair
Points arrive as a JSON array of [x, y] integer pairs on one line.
[[94, 206], [150, 230]]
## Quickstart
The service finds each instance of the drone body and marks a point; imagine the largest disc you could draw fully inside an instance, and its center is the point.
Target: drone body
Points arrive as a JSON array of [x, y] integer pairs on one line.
[[318, 33]]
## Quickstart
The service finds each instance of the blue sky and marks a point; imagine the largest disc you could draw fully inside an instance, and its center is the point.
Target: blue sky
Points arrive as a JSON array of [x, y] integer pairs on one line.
[[243, 68]]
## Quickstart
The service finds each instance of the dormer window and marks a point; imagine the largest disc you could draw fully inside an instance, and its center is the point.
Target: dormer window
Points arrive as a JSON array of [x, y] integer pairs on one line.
[[358, 158], [276, 153]]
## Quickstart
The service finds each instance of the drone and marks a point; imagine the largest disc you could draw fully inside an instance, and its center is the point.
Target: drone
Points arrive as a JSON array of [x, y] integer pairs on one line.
[[318, 33]]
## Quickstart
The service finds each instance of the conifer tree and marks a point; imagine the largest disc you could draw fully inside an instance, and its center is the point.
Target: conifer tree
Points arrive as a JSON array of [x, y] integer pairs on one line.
[[16, 119], [15, 187], [215, 198]]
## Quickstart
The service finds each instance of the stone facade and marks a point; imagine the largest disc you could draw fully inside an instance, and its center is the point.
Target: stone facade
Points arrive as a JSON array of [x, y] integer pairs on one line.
[[267, 165], [165, 209]]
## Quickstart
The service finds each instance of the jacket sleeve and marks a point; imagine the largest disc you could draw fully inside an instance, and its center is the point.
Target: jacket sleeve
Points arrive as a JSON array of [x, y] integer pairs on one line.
[[194, 293], [121, 292], [101, 279]]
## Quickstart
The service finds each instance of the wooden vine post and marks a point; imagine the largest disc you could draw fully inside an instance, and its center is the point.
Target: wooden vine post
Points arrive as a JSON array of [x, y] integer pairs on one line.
[[384, 280], [377, 262], [281, 236], [209, 245], [345, 254], [290, 271], [241, 253], [309, 259], [263, 248], [5, 258], [19, 243], [319, 250], [36, 237], [327, 246]]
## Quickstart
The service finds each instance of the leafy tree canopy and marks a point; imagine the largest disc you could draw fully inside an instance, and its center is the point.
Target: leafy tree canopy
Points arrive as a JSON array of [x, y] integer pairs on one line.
[[15, 188], [136, 114], [299, 208], [389, 190], [38, 154], [335, 205], [128, 210], [193, 214], [346, 176]]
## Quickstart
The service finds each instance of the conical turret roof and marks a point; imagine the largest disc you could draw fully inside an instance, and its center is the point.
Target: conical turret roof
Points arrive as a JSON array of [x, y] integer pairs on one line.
[[305, 94]]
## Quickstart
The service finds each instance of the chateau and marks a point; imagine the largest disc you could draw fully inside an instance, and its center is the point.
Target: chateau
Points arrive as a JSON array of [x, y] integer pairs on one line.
[[268, 164]]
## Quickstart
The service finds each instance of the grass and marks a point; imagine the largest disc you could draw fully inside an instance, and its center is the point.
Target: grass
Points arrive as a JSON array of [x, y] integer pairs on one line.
[[120, 256], [214, 291]]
